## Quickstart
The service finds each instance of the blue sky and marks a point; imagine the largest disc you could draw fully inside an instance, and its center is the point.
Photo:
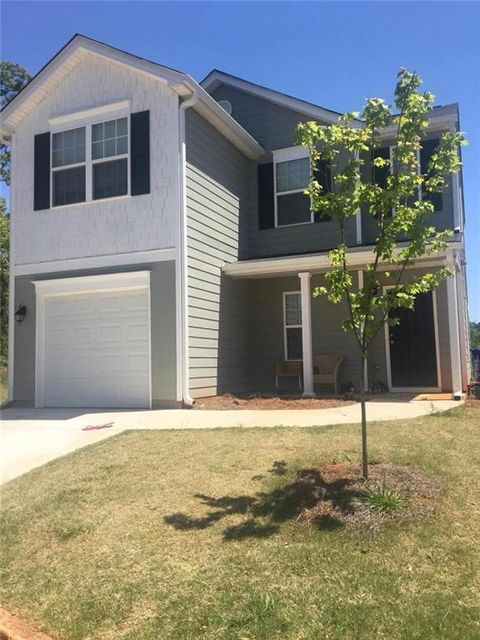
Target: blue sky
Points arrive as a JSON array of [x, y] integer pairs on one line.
[[331, 53]]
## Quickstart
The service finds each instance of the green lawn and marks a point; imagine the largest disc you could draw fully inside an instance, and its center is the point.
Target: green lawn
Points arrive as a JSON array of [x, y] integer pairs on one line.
[[177, 535]]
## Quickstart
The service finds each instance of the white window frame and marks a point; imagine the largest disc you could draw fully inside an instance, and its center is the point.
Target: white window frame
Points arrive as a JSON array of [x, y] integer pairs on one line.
[[89, 161], [290, 326], [284, 155]]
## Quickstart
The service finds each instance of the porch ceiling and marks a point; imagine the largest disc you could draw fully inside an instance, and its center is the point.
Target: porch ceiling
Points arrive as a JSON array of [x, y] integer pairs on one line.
[[315, 263]]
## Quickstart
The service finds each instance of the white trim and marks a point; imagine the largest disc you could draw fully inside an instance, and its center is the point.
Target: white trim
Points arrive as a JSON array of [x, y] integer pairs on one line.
[[71, 286], [87, 284], [315, 263], [437, 353], [94, 262], [454, 334], [289, 102], [290, 326], [288, 154], [183, 308], [92, 112], [306, 296]]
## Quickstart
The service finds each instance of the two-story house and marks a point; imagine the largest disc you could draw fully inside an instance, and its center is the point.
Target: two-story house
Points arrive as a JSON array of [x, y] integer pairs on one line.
[[162, 248]]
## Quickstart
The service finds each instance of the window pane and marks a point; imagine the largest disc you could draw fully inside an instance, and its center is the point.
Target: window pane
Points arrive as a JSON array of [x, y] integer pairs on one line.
[[97, 150], [68, 147], [109, 179], [293, 174], [109, 139], [294, 344], [109, 148], [97, 132], [68, 186], [122, 127], [122, 145], [293, 208], [293, 309]]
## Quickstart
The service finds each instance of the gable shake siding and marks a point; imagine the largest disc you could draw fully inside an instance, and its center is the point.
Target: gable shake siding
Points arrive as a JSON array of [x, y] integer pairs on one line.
[[218, 199]]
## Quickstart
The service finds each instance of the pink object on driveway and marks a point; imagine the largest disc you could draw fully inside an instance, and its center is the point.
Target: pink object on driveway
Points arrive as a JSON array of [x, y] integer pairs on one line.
[[95, 427]]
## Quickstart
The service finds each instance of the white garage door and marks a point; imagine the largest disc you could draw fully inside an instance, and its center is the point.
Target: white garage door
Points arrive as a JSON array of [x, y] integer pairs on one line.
[[96, 350]]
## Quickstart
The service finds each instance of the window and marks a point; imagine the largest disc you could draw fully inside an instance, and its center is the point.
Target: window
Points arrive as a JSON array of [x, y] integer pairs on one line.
[[110, 139], [292, 325], [68, 167], [291, 179], [426, 152], [90, 163]]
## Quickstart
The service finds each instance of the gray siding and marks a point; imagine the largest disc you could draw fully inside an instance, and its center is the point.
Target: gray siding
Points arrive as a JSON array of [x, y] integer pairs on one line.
[[275, 128], [267, 342], [219, 180], [163, 330]]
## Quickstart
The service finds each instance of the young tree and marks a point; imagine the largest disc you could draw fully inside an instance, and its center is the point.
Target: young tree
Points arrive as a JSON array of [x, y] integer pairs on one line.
[[13, 77], [350, 150]]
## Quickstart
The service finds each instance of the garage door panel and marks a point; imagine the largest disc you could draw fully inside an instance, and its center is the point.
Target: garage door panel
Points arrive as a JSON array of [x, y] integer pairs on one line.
[[97, 349]]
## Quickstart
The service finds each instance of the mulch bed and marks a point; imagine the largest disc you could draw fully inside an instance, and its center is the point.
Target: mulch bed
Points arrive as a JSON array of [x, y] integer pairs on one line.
[[335, 495], [262, 401]]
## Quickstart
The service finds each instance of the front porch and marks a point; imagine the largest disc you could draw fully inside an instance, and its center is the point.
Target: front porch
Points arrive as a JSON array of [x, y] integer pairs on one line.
[[288, 325]]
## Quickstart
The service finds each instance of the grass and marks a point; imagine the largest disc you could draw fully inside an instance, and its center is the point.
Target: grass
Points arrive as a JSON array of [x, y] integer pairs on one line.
[[384, 500], [182, 535]]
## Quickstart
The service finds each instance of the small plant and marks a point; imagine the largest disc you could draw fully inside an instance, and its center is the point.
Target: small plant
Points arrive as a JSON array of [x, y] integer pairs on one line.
[[383, 500]]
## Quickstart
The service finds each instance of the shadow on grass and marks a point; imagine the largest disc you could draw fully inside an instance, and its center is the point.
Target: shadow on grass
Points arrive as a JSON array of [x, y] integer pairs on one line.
[[265, 511]]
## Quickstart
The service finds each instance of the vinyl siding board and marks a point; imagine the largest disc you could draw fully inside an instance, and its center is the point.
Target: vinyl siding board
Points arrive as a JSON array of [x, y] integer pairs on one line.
[[218, 201]]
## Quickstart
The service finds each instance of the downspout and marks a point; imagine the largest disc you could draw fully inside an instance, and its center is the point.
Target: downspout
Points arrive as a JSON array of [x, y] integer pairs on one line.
[[187, 400]]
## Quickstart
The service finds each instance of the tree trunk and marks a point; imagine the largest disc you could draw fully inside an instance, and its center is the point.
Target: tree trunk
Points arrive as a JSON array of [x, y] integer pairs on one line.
[[363, 360]]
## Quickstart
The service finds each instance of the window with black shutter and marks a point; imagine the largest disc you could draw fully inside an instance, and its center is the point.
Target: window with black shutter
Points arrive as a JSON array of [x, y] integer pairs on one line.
[[97, 161], [428, 147]]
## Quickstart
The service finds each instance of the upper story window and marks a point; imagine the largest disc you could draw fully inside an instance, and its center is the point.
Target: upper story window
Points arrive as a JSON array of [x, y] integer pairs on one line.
[[68, 167], [91, 174], [91, 162], [292, 172], [380, 174]]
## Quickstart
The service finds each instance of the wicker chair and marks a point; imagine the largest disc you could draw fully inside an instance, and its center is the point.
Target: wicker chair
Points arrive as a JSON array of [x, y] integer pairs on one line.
[[326, 368], [289, 368]]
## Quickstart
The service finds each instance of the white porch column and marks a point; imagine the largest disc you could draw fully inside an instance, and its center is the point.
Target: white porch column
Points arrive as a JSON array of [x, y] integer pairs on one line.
[[306, 296], [454, 333]]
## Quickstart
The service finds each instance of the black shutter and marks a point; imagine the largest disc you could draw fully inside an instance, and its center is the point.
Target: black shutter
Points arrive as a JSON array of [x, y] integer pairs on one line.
[[140, 153], [323, 175], [41, 172], [380, 174], [266, 210], [426, 152]]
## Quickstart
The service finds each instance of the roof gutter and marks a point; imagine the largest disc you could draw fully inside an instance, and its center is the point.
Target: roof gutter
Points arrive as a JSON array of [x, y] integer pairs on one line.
[[183, 249]]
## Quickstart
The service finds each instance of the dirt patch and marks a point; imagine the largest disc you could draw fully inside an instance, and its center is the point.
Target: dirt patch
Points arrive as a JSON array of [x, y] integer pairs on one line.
[[260, 401], [340, 495], [12, 628]]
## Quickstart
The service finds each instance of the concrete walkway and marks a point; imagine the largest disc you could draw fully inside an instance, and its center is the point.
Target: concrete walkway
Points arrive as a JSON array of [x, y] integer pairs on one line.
[[31, 437]]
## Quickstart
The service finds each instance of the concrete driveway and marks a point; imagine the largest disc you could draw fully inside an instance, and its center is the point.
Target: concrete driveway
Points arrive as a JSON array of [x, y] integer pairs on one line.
[[31, 437]]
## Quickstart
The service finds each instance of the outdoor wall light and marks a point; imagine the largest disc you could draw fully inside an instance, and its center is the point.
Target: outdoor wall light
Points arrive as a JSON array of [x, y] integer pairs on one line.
[[20, 313]]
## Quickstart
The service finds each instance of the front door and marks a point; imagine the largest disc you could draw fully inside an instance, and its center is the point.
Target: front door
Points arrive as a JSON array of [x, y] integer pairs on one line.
[[413, 359]]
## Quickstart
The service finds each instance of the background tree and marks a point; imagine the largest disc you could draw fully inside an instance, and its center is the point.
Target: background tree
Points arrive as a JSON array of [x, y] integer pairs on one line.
[[350, 150], [475, 335], [12, 78]]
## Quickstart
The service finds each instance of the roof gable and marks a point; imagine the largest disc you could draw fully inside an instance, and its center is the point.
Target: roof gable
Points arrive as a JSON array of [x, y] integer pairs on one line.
[[215, 78], [79, 47]]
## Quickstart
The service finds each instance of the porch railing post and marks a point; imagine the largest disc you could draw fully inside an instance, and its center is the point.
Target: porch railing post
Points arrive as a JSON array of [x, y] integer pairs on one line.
[[306, 296]]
